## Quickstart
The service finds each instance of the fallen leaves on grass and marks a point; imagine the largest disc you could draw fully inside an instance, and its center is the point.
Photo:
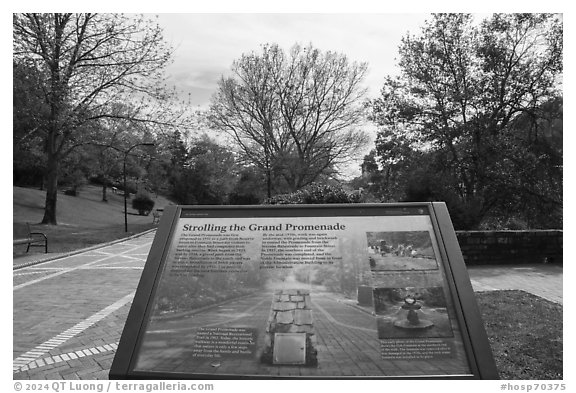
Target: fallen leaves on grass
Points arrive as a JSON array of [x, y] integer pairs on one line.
[[525, 333]]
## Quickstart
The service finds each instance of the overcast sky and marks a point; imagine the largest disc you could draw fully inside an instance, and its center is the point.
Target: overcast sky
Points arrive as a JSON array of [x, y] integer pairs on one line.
[[207, 44]]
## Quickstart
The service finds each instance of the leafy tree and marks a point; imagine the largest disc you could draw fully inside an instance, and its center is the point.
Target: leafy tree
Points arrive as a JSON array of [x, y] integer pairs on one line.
[[156, 174], [111, 143], [175, 161], [453, 116], [74, 172], [534, 184], [293, 115], [206, 172], [29, 113], [248, 189], [87, 64], [106, 167]]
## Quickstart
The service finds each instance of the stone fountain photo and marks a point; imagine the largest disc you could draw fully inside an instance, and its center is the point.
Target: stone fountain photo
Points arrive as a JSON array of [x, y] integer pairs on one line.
[[411, 313]]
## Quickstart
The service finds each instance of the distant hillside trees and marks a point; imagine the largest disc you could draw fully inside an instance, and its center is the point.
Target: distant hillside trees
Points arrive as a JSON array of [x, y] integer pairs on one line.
[[201, 171]]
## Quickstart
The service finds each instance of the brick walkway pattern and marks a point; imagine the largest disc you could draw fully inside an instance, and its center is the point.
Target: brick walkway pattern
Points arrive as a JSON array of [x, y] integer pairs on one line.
[[68, 313]]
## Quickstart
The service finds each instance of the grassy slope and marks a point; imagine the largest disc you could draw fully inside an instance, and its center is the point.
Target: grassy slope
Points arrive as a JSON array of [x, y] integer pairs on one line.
[[87, 209], [82, 221]]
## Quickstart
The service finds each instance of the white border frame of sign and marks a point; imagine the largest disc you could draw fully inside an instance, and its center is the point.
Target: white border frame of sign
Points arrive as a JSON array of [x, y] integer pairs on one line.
[[475, 339]]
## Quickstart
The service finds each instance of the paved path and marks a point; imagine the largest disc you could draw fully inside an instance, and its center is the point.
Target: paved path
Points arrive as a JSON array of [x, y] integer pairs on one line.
[[68, 313], [542, 280]]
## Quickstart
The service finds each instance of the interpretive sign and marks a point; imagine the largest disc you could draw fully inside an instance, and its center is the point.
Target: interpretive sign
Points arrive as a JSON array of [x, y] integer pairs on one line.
[[305, 291]]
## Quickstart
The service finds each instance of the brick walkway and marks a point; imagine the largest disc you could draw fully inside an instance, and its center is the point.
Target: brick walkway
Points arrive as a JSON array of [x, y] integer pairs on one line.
[[68, 313]]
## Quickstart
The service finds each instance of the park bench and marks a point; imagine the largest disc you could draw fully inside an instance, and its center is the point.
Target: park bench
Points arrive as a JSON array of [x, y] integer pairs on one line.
[[33, 239]]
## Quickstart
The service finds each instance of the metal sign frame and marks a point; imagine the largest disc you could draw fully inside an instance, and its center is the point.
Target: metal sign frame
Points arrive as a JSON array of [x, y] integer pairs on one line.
[[473, 335]]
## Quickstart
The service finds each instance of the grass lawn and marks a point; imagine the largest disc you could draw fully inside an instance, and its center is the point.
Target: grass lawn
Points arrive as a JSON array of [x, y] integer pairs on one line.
[[525, 333], [83, 221]]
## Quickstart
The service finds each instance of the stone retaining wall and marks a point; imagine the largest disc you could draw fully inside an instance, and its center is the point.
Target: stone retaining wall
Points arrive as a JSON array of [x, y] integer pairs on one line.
[[510, 247]]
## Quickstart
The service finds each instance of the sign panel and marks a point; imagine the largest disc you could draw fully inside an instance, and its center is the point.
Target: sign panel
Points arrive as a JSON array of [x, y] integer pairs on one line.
[[305, 291]]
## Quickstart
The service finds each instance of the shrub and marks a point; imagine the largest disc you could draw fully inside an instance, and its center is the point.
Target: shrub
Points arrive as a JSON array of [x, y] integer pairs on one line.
[[143, 203], [243, 199], [313, 194], [71, 192]]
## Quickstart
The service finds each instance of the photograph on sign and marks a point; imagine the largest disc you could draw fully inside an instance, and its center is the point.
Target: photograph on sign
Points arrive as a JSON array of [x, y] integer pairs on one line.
[[411, 312], [400, 251], [302, 296]]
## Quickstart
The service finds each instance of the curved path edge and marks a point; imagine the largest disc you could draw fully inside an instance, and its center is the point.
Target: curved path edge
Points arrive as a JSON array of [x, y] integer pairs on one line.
[[79, 251]]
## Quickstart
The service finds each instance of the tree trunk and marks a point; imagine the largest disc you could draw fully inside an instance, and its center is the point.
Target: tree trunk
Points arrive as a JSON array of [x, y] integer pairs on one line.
[[104, 196], [293, 182], [268, 183], [51, 190]]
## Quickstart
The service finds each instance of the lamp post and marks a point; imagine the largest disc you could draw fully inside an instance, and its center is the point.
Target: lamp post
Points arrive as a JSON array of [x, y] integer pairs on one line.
[[125, 202]]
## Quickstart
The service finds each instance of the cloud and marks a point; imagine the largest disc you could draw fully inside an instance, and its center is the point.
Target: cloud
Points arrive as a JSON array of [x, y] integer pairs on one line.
[[207, 44], [196, 85]]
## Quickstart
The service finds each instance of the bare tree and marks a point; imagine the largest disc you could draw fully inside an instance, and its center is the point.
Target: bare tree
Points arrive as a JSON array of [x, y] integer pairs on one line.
[[89, 64], [294, 115]]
